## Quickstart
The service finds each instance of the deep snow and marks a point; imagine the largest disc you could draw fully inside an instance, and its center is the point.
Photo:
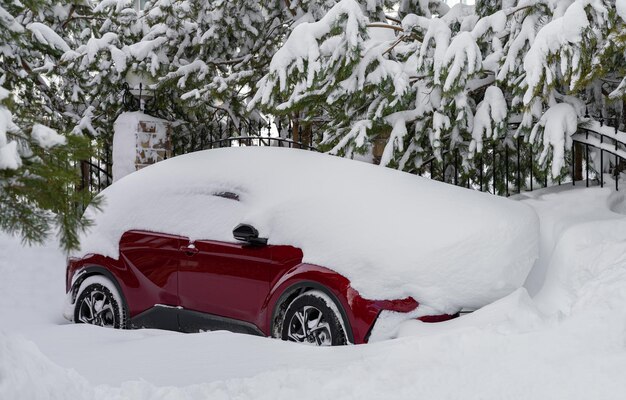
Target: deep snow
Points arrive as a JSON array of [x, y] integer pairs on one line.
[[567, 343]]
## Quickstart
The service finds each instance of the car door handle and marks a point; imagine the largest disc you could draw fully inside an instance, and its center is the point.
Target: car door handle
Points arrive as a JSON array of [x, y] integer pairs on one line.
[[189, 250]]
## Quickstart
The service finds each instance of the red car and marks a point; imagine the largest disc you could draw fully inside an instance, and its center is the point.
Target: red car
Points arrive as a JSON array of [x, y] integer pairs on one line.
[[294, 245], [165, 281]]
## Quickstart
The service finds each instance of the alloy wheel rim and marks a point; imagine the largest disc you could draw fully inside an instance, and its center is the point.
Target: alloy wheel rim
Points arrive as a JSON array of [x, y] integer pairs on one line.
[[97, 309], [308, 325]]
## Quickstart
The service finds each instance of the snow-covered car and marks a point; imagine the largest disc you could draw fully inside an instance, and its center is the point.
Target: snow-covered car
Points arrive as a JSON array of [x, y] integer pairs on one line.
[[293, 244]]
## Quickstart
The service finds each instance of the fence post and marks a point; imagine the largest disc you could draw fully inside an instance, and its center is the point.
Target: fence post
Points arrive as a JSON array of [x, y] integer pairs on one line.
[[587, 163], [531, 167], [573, 164], [519, 179], [616, 159], [506, 164], [443, 167], [601, 162], [99, 170], [456, 167], [481, 171], [493, 147], [616, 171]]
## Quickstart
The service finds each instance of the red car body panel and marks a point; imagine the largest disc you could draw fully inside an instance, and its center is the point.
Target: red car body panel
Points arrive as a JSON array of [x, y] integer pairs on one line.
[[231, 280]]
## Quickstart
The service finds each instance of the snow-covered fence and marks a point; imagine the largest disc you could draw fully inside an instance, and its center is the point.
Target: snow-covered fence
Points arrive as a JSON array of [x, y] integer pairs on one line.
[[511, 167], [502, 168], [97, 172], [601, 140], [275, 133], [238, 141]]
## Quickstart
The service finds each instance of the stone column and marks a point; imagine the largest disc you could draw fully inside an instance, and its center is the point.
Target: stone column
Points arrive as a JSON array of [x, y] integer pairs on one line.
[[139, 140]]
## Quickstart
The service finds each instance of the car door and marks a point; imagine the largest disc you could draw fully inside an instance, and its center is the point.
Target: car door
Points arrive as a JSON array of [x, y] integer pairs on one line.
[[153, 258], [228, 280]]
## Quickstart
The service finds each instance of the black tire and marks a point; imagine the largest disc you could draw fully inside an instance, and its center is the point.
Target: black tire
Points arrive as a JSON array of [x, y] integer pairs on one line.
[[98, 302], [313, 318]]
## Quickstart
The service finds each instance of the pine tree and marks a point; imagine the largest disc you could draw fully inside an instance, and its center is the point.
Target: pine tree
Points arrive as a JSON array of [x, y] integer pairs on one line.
[[451, 84], [203, 59], [37, 151]]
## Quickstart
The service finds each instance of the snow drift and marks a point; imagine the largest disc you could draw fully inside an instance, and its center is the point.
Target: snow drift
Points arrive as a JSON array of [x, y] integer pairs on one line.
[[391, 233], [25, 373], [515, 348]]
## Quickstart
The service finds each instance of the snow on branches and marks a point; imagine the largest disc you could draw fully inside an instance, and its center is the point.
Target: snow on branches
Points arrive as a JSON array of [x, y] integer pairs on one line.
[[558, 124], [38, 107], [335, 41], [490, 119], [445, 79], [9, 155], [562, 36]]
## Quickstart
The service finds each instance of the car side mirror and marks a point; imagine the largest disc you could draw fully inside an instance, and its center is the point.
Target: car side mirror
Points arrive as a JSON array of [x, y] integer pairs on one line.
[[249, 234]]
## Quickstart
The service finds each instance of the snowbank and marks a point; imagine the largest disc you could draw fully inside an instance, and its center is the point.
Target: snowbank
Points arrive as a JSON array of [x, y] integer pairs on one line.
[[515, 348], [391, 233], [25, 373], [583, 251]]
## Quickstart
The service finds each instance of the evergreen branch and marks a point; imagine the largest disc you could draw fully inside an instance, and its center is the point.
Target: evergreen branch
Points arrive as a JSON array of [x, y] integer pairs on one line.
[[383, 25]]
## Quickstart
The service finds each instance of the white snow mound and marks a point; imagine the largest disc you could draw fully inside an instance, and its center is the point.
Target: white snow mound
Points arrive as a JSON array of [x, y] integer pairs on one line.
[[391, 233], [25, 373]]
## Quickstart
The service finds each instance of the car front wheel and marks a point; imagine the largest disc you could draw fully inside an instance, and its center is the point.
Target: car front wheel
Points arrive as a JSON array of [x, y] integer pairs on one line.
[[313, 318], [99, 303]]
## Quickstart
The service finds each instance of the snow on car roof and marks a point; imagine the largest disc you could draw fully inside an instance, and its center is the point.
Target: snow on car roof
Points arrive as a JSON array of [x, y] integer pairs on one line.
[[391, 233]]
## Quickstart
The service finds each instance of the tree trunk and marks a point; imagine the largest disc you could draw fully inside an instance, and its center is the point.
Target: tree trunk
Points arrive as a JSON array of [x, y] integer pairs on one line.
[[295, 131], [578, 161], [379, 146], [84, 175], [306, 137]]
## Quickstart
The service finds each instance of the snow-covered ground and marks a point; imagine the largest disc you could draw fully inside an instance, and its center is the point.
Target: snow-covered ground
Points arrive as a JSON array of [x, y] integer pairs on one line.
[[568, 341]]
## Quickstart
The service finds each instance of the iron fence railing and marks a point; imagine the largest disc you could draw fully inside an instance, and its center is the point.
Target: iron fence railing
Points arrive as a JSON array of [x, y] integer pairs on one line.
[[506, 168], [502, 168], [242, 141]]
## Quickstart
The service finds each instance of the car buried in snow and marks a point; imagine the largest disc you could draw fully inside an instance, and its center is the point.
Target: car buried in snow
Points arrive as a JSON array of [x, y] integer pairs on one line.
[[292, 244]]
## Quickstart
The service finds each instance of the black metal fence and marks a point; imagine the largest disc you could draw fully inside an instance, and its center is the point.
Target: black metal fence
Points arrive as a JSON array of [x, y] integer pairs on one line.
[[97, 172], [510, 167], [223, 133], [242, 141], [502, 168]]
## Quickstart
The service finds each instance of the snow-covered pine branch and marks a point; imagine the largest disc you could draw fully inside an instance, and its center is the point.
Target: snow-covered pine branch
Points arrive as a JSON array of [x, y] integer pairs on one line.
[[39, 104], [456, 76]]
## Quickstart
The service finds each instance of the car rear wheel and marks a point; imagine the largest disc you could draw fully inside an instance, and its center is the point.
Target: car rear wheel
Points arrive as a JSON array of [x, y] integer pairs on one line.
[[313, 318], [99, 303]]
